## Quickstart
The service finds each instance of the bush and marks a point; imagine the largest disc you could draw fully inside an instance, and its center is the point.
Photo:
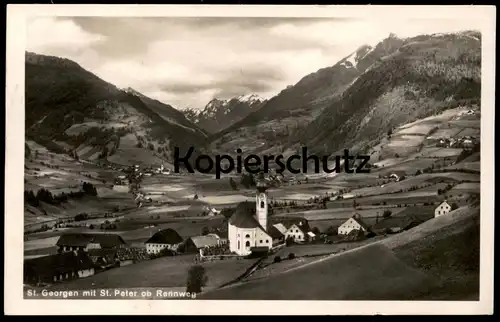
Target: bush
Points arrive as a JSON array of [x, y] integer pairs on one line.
[[277, 259], [291, 256]]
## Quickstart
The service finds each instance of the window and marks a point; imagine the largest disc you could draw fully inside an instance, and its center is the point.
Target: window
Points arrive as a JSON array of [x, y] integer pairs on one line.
[[267, 241], [238, 244], [260, 241], [262, 204], [247, 244], [247, 236]]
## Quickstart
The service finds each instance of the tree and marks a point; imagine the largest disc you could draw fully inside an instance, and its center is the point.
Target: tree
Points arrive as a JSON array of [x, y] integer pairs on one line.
[[316, 231], [454, 206], [196, 279], [387, 213], [233, 184], [354, 204], [331, 231], [205, 231], [418, 173]]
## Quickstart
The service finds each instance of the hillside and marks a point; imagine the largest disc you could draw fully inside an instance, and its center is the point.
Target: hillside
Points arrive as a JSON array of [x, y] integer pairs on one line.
[[438, 260], [70, 110], [298, 105], [426, 75], [220, 114], [356, 102]]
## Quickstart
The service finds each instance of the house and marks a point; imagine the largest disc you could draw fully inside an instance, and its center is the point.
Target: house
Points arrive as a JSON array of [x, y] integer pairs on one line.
[[248, 228], [281, 228], [195, 243], [353, 223], [167, 238], [104, 258], [442, 209], [58, 267], [85, 242], [398, 175], [298, 232], [277, 235]]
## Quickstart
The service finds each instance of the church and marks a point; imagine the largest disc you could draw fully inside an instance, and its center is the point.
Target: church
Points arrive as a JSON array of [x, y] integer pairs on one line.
[[248, 227]]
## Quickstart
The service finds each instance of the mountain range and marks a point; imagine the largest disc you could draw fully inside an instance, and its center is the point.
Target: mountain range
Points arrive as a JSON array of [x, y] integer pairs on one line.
[[219, 114], [355, 102], [352, 104]]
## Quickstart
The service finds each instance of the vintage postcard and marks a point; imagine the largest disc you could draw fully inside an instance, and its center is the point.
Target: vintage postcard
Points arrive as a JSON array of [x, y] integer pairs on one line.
[[314, 160]]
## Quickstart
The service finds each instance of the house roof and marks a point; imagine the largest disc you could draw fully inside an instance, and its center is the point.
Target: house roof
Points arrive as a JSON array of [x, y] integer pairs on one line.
[[165, 236], [82, 240], [399, 173], [274, 232], [281, 228], [302, 225], [204, 241], [444, 203], [244, 216], [359, 220], [52, 265], [108, 255]]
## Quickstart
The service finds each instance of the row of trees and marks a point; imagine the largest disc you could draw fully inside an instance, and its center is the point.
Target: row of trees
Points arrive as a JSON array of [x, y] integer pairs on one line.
[[46, 196]]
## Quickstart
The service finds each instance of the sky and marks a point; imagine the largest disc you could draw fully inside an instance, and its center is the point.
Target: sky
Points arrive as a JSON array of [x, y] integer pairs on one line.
[[186, 62]]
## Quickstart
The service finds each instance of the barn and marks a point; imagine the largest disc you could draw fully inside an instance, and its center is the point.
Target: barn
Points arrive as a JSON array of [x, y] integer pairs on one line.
[[167, 238], [58, 267], [85, 242]]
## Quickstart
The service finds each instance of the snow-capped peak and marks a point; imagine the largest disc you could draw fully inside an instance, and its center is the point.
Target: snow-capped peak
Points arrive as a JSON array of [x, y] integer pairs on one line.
[[249, 98]]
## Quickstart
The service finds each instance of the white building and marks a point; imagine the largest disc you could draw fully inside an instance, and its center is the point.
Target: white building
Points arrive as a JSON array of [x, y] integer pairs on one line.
[[248, 227], [297, 232], [164, 239], [442, 209], [353, 223]]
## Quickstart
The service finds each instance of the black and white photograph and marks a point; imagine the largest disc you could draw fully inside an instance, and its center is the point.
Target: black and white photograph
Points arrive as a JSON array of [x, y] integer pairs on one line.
[[302, 156]]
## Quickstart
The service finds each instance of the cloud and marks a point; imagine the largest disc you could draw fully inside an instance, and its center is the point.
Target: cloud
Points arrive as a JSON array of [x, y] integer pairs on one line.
[[53, 35], [186, 62]]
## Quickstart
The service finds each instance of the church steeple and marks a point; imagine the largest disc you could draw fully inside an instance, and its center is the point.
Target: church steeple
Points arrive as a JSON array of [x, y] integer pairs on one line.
[[261, 201]]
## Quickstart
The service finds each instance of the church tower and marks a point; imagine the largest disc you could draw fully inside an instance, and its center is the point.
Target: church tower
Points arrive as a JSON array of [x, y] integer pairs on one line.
[[261, 203]]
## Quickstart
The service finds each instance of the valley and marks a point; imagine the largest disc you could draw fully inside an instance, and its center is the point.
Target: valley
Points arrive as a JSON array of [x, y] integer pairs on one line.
[[98, 160]]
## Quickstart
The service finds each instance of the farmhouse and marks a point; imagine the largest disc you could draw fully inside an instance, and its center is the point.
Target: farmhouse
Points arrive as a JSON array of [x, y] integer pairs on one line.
[[85, 242], [298, 232], [194, 244], [105, 258], [248, 228], [167, 238], [442, 209], [353, 223], [398, 175], [58, 267]]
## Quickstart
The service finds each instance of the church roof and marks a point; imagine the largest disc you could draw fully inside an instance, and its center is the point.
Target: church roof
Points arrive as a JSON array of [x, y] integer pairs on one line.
[[244, 216]]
